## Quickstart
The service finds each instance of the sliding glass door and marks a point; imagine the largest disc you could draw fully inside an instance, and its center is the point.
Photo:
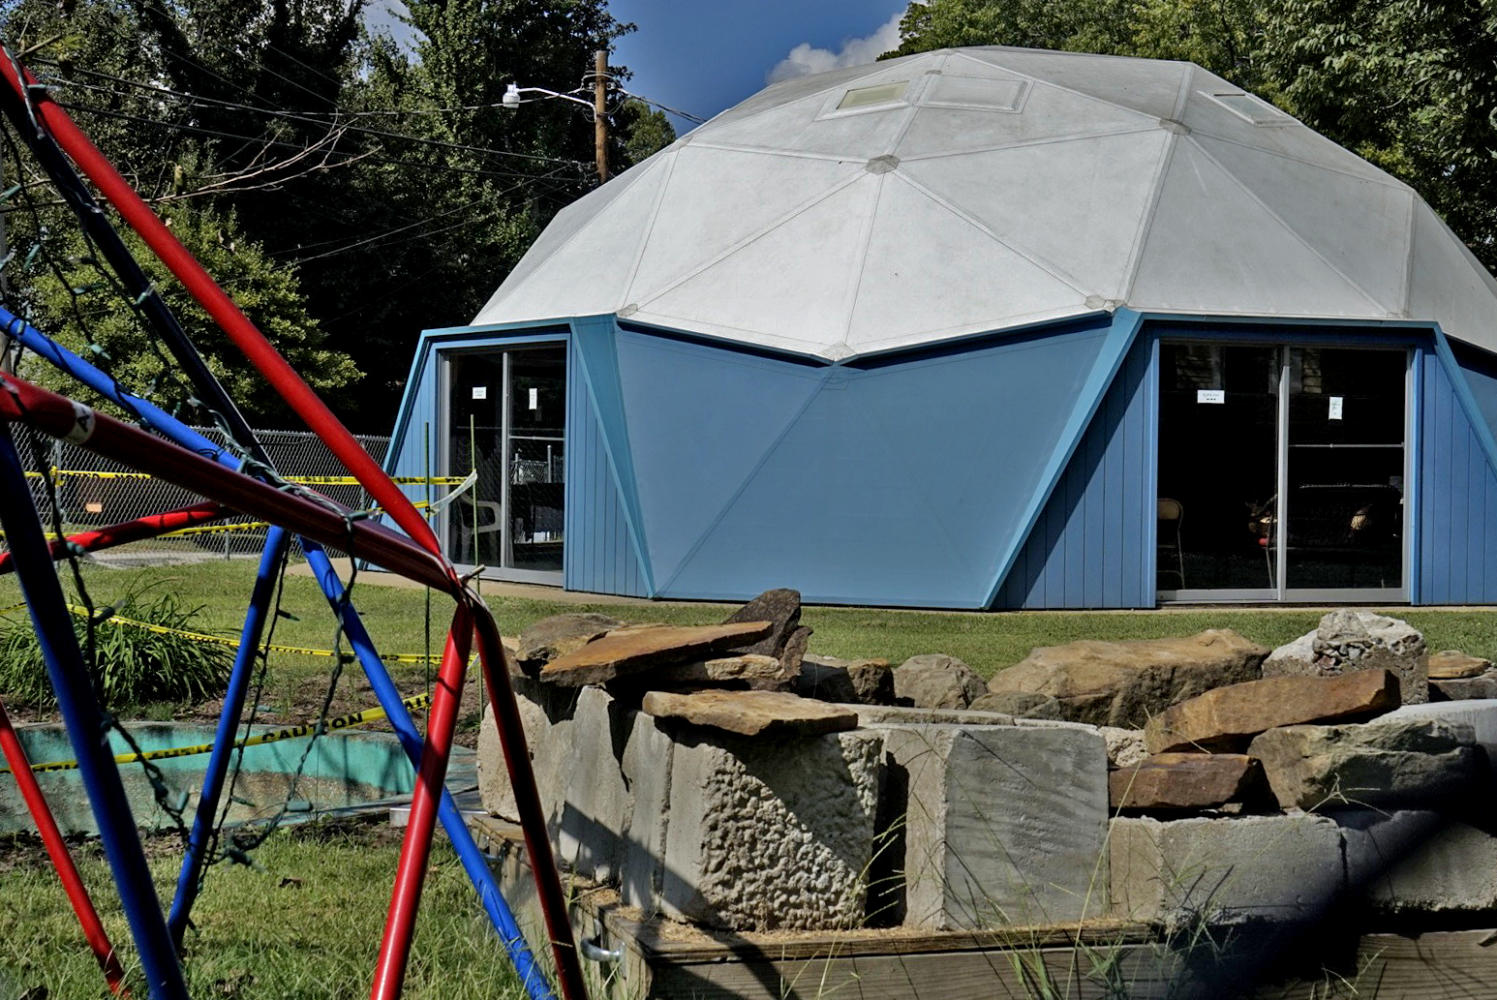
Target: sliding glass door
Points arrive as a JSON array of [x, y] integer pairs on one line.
[[1281, 473], [506, 418]]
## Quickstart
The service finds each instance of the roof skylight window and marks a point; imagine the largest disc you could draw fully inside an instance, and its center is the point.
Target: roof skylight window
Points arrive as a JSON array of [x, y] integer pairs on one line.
[[869, 97], [1249, 108]]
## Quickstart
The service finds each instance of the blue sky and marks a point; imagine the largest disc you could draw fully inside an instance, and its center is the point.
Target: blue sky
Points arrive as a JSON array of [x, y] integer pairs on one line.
[[706, 55]]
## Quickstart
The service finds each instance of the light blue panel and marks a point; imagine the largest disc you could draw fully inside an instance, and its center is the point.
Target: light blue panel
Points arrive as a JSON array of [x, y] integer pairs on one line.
[[599, 553], [904, 482], [1480, 369], [1086, 550], [1457, 493], [407, 455], [700, 419]]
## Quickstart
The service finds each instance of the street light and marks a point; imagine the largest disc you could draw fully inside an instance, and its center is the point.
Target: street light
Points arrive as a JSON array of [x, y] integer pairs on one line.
[[514, 96]]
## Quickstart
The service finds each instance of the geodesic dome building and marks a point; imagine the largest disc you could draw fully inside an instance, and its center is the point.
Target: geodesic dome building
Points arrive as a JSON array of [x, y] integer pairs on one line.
[[981, 328]]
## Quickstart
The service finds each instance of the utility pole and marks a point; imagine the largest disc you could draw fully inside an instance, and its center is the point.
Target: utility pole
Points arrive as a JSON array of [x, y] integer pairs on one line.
[[600, 112]]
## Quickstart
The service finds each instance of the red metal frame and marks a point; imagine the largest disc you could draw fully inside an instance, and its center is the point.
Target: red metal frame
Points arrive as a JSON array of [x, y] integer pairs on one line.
[[57, 850], [415, 848], [421, 560], [149, 526], [282, 377]]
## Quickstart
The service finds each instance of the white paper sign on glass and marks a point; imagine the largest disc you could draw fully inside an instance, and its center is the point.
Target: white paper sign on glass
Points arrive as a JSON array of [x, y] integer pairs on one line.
[[480, 392], [1336, 406], [1211, 395], [535, 399]]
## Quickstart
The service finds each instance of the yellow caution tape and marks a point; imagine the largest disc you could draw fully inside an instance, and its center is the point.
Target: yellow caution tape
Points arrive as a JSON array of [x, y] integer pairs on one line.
[[303, 480], [294, 732]]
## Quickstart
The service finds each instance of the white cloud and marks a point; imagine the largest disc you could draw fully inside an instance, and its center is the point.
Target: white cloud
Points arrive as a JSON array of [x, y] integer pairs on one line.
[[804, 59]]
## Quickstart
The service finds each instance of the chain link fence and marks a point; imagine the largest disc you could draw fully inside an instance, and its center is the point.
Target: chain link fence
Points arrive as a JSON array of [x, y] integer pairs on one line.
[[93, 491]]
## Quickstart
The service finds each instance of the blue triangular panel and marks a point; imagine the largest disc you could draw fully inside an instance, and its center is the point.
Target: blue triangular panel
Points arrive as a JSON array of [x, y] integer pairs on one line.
[[700, 420], [903, 483]]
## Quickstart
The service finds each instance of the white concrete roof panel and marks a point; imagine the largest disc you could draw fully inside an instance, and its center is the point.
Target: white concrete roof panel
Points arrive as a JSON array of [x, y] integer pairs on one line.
[[1017, 186], [901, 299]]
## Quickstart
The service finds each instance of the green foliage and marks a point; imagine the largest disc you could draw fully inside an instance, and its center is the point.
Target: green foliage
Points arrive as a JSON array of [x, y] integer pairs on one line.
[[131, 665], [348, 193], [1410, 85]]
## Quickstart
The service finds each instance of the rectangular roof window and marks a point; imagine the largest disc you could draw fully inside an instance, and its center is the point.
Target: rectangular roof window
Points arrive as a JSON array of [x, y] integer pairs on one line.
[[1249, 108], [976, 93], [867, 97]]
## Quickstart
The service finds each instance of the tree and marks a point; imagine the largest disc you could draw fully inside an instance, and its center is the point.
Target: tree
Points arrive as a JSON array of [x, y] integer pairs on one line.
[[1410, 85]]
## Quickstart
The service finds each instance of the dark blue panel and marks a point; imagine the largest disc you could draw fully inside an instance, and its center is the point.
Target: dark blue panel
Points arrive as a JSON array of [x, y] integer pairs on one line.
[[1457, 488], [904, 483], [1087, 550]]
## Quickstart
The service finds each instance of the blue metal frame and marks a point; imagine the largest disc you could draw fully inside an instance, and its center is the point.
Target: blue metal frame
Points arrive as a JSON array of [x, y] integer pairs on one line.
[[472, 859], [86, 726]]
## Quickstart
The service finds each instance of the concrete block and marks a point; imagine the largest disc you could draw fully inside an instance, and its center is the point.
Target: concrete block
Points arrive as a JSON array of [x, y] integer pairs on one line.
[[1003, 825], [546, 716], [1225, 871], [594, 801], [1480, 714], [771, 833], [646, 765], [1414, 863]]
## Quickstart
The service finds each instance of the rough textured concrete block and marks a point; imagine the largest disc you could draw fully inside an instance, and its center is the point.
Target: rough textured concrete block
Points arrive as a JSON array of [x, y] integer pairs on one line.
[[1003, 825], [1223, 871], [1349, 639], [771, 833], [1414, 863]]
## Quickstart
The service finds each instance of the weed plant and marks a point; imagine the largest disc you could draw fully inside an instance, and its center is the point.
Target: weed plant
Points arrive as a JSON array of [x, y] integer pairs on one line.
[[131, 665]]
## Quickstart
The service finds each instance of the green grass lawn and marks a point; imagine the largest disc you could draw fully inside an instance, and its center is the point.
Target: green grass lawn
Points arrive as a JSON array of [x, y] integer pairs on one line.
[[308, 926], [396, 618]]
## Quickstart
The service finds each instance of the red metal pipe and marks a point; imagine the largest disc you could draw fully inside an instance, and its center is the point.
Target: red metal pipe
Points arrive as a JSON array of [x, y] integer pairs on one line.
[[321, 519], [495, 664], [149, 526], [282, 377], [415, 849], [57, 850]]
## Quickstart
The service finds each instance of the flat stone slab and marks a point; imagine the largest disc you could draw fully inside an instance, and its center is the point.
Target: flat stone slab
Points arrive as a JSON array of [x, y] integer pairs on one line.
[[935, 680], [781, 608], [1480, 714], [1465, 688], [1178, 781], [1452, 664], [1227, 718], [629, 651], [1124, 683], [751, 668], [1413, 864], [1406, 762], [752, 713], [865, 682], [559, 635]]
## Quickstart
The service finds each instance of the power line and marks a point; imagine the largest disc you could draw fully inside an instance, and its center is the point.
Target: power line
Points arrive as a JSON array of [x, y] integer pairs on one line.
[[282, 144], [297, 116]]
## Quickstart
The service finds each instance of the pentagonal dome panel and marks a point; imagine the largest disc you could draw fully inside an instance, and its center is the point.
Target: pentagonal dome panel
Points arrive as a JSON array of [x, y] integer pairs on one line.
[[1079, 213], [898, 301], [769, 285], [1208, 225], [1359, 225], [720, 198]]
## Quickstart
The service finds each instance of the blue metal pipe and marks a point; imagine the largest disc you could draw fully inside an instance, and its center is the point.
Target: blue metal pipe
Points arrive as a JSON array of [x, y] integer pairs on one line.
[[473, 860], [205, 819], [86, 727]]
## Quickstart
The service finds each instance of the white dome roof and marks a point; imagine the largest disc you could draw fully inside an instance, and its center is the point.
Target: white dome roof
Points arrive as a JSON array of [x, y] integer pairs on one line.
[[972, 190]]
